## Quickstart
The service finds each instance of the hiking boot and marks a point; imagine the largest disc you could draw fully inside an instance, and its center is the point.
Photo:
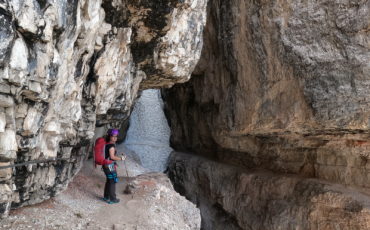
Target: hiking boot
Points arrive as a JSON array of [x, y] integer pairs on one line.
[[105, 199], [113, 201]]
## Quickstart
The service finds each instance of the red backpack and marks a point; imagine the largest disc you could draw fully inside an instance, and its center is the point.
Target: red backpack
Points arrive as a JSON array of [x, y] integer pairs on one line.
[[99, 152]]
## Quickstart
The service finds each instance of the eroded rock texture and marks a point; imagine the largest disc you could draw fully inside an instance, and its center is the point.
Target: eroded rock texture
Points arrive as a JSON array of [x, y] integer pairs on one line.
[[236, 198], [66, 66], [283, 86]]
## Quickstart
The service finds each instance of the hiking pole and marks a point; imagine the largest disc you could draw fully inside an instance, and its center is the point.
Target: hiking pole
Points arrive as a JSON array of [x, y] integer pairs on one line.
[[124, 163], [132, 195]]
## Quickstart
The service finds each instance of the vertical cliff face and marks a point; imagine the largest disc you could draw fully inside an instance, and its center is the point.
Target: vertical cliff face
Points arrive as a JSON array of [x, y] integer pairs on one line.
[[280, 86], [66, 66], [278, 75]]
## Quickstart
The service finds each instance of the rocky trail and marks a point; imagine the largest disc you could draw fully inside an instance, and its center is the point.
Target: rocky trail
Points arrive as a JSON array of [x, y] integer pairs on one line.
[[149, 202]]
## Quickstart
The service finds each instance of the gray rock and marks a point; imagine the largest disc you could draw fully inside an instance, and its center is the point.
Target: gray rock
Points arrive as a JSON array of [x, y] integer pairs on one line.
[[67, 67], [164, 208]]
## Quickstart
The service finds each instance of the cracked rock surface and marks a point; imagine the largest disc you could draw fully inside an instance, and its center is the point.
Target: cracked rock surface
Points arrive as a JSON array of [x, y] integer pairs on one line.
[[68, 66], [231, 197], [281, 86]]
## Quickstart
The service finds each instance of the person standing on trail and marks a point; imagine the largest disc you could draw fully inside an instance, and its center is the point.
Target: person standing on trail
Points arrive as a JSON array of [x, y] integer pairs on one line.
[[110, 169]]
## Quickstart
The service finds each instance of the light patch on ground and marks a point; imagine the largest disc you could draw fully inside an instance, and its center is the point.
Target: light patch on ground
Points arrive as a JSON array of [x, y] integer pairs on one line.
[[151, 204]]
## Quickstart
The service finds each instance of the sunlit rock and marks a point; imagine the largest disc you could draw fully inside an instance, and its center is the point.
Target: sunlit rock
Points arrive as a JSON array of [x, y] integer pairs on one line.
[[69, 66]]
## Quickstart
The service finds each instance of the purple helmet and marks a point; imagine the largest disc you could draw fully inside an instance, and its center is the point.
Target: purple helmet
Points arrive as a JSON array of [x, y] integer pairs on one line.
[[112, 132]]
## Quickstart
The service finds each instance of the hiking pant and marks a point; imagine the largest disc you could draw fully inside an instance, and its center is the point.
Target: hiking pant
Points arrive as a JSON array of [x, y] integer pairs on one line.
[[110, 184]]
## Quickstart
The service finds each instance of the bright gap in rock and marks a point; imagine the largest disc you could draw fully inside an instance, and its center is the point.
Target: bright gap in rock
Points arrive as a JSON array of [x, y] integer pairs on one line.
[[147, 139]]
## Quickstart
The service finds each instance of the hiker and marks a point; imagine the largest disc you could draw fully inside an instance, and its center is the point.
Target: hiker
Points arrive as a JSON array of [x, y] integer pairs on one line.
[[110, 169]]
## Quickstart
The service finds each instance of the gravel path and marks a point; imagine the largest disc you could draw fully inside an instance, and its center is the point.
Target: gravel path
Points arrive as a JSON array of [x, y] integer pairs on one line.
[[152, 204]]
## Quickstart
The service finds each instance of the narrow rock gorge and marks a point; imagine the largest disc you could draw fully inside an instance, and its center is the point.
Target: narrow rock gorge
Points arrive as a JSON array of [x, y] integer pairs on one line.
[[276, 115], [272, 116], [67, 67]]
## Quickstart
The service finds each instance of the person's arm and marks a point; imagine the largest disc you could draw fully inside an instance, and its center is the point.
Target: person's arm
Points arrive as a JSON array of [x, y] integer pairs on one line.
[[113, 156]]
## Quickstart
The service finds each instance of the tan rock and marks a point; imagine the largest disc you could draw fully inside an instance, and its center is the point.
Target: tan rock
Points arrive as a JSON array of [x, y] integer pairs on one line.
[[5, 192], [5, 174], [256, 199], [272, 90], [6, 101]]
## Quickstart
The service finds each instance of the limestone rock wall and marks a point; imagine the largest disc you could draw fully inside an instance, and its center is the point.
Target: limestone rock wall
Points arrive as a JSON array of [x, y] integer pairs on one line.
[[67, 66], [280, 86], [235, 198]]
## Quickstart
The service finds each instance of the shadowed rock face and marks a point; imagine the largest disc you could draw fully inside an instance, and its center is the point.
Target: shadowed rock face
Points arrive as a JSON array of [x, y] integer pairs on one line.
[[284, 67], [275, 79], [66, 66], [283, 86], [234, 198]]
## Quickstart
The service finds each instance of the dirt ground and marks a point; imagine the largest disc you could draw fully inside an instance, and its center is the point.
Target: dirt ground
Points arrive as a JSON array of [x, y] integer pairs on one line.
[[80, 206]]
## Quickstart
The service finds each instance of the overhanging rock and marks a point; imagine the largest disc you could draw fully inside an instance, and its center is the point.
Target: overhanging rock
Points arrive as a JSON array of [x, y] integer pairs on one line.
[[67, 66]]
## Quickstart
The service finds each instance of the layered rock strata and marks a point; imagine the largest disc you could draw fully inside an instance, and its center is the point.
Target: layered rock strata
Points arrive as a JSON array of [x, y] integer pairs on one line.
[[235, 198], [282, 86], [66, 66]]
